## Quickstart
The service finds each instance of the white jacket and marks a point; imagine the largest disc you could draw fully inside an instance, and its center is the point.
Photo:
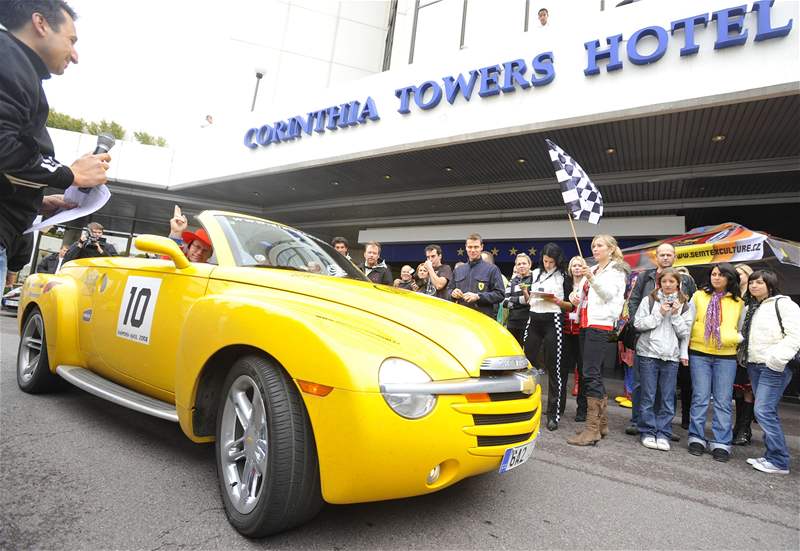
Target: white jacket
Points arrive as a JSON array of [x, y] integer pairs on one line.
[[663, 337], [547, 282], [766, 344], [606, 294]]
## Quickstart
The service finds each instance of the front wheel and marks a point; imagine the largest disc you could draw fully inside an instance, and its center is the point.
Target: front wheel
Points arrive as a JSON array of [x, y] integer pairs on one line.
[[266, 455], [33, 367]]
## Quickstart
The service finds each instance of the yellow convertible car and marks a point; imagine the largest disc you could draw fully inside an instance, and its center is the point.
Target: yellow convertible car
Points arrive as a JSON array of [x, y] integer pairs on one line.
[[315, 384]]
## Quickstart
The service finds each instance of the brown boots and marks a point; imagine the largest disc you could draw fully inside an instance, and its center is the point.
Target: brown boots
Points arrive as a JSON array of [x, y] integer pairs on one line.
[[591, 432], [604, 417]]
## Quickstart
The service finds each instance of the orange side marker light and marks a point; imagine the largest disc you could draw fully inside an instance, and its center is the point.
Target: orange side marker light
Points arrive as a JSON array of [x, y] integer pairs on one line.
[[314, 388]]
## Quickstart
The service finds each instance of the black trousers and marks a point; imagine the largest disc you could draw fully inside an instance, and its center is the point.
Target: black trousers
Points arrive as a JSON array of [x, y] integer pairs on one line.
[[545, 331], [519, 334], [685, 382], [597, 353], [573, 361]]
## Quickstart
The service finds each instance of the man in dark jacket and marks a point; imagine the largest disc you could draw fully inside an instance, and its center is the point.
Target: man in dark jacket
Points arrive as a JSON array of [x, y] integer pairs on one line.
[[37, 39], [92, 244], [477, 284], [52, 262], [646, 282], [374, 266]]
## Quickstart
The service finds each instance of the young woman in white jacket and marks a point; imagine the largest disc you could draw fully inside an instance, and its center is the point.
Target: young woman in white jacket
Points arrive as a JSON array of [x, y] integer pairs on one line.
[[770, 328], [599, 298], [664, 321]]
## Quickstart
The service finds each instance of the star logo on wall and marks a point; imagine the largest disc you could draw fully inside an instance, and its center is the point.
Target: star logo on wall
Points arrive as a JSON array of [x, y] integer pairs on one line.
[[495, 251], [532, 252], [513, 251], [460, 252]]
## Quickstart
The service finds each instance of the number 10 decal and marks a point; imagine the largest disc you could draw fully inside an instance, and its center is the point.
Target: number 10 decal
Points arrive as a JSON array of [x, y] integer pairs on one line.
[[136, 311]]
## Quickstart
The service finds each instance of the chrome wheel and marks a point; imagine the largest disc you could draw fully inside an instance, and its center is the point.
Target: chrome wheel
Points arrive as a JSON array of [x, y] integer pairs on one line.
[[243, 444], [30, 348]]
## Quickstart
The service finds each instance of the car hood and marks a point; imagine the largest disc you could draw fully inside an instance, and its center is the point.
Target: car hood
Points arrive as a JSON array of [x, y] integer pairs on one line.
[[466, 334]]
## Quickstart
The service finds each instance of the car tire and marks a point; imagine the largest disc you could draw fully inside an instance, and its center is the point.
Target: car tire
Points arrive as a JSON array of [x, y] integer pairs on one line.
[[265, 450], [33, 366]]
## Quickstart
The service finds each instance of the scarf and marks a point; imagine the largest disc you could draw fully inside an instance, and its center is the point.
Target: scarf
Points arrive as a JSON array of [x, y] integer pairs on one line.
[[748, 321], [714, 319]]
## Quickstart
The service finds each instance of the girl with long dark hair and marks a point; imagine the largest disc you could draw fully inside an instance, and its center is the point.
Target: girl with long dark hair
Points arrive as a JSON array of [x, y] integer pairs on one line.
[[549, 288], [712, 360], [770, 330]]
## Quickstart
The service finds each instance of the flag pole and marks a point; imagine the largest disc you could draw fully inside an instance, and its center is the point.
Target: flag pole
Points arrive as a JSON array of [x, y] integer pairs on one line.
[[574, 233]]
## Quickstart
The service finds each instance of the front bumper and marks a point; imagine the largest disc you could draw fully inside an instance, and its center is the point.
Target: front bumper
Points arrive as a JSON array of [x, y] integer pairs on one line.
[[369, 453]]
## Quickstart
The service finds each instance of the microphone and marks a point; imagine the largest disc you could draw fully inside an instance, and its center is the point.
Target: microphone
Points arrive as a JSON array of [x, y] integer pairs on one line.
[[104, 144]]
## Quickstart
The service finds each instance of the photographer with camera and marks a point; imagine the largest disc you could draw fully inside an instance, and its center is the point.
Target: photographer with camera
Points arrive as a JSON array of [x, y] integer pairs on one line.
[[92, 244]]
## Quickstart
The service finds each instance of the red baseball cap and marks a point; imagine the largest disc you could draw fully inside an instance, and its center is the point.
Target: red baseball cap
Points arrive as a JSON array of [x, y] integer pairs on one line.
[[200, 234]]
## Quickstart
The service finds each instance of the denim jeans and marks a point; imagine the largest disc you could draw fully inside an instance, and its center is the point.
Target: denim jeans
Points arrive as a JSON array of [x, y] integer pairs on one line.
[[712, 375], [768, 387], [3, 267], [658, 380]]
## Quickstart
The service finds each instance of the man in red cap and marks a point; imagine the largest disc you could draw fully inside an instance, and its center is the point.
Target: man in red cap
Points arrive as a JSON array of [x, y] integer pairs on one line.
[[196, 245]]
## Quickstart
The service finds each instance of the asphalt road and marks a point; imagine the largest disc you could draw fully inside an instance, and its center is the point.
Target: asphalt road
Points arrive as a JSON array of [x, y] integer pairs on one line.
[[80, 473]]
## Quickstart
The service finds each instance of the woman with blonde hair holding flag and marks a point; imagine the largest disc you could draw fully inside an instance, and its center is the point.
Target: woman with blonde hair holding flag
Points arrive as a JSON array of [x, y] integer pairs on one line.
[[599, 297]]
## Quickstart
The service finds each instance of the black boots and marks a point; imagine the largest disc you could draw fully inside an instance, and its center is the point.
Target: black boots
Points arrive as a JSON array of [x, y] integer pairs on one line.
[[744, 416]]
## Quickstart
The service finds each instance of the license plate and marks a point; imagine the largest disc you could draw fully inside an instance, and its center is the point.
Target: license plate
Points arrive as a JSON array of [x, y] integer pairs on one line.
[[514, 457], [11, 302]]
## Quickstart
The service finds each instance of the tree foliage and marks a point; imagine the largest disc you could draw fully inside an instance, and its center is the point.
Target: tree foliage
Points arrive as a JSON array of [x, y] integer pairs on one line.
[[147, 139], [65, 122]]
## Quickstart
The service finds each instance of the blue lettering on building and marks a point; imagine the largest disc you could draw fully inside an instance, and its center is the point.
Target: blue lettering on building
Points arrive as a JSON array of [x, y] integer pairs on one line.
[[729, 27], [490, 81], [506, 78], [331, 118]]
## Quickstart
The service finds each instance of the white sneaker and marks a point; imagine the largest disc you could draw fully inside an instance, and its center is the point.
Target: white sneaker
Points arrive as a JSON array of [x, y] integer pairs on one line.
[[767, 467], [754, 460], [662, 444], [650, 442]]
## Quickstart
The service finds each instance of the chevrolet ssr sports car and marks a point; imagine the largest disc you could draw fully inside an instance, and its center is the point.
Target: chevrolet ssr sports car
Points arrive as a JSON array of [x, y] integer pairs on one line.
[[315, 384]]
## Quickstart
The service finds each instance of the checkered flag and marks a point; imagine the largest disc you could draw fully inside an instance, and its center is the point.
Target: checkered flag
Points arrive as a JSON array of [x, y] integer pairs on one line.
[[581, 196]]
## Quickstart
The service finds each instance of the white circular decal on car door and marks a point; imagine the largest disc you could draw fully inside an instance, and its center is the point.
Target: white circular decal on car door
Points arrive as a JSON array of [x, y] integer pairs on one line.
[[136, 310]]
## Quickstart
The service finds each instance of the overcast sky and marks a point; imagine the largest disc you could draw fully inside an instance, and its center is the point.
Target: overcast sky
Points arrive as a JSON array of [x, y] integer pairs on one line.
[[147, 64]]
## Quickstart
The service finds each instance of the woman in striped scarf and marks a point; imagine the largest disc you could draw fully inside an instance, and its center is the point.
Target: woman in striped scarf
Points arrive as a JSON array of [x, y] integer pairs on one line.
[[712, 360]]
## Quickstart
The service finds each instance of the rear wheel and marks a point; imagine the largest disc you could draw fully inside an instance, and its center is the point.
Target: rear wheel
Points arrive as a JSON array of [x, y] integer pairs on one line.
[[266, 455], [33, 367]]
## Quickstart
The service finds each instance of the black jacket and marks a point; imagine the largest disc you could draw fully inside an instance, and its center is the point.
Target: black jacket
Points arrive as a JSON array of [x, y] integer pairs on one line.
[[518, 309], [84, 249], [380, 273], [27, 165], [49, 264], [482, 278]]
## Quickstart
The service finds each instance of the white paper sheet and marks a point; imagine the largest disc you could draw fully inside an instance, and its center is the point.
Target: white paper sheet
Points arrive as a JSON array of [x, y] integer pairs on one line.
[[87, 204]]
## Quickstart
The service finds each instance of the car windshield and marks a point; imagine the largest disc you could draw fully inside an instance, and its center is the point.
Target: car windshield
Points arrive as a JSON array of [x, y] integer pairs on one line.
[[259, 243]]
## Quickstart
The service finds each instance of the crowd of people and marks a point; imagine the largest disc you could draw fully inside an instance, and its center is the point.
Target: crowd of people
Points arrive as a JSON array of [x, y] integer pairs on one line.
[[732, 337]]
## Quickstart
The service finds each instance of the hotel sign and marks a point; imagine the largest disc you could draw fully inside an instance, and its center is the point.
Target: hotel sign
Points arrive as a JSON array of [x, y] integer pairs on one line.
[[507, 77]]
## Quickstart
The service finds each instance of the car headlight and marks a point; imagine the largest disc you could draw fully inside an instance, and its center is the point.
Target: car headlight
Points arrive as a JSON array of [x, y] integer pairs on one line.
[[410, 406]]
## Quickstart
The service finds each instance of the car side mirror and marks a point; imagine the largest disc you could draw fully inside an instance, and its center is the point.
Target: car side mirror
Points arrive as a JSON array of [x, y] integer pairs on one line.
[[157, 244]]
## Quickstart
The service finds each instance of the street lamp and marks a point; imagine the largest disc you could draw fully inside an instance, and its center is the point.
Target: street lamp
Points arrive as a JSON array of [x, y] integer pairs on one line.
[[259, 76]]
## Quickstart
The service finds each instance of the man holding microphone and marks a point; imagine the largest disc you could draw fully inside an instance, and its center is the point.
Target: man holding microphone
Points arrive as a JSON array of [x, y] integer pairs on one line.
[[37, 39]]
